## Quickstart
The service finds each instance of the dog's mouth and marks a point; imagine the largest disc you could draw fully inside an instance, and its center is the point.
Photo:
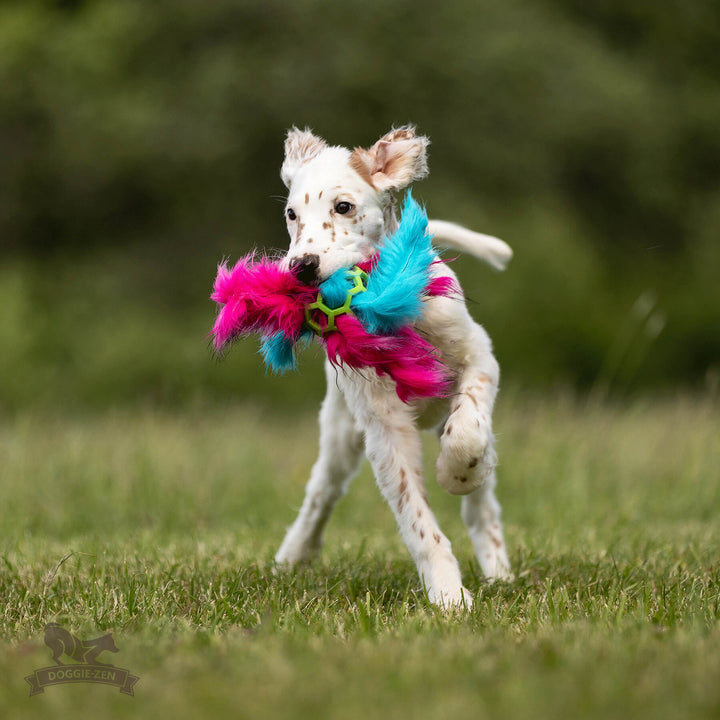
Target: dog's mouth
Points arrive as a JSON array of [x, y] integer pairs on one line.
[[306, 269]]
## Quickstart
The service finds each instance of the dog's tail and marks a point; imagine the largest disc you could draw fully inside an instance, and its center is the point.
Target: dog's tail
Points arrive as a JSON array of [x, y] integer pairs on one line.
[[492, 250]]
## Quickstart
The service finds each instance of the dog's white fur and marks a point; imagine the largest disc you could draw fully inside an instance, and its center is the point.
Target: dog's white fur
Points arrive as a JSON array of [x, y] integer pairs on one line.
[[361, 411]]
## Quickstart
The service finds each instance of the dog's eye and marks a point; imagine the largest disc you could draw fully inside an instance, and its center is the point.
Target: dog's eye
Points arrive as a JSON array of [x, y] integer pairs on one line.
[[343, 208], [291, 214]]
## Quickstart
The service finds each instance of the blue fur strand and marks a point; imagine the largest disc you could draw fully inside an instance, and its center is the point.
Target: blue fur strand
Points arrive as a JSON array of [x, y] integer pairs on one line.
[[397, 283], [278, 353]]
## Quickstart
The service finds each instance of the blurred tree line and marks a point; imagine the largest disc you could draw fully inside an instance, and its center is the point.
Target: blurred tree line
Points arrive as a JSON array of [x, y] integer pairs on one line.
[[141, 141]]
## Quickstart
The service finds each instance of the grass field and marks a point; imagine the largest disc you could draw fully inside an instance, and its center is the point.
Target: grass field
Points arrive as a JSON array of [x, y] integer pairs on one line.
[[611, 517]]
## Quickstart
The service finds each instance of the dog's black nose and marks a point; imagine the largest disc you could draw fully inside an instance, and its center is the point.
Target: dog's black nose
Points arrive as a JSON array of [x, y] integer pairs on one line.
[[305, 268]]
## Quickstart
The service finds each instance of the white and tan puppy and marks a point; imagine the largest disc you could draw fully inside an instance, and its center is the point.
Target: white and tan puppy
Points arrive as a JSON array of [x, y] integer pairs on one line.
[[340, 206]]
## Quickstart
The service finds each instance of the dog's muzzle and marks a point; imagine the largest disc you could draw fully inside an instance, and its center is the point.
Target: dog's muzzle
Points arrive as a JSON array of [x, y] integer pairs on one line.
[[306, 268]]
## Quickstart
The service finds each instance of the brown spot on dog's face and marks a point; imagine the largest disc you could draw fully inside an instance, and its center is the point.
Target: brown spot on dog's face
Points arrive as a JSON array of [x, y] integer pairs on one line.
[[320, 195], [422, 533], [327, 225], [307, 198], [473, 462], [419, 513], [460, 479], [436, 538]]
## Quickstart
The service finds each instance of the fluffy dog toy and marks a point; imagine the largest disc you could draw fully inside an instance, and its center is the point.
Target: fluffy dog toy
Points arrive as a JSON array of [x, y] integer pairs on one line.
[[363, 315]]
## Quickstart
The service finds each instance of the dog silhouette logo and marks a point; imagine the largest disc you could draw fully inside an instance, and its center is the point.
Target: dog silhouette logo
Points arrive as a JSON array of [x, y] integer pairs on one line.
[[61, 642], [86, 666]]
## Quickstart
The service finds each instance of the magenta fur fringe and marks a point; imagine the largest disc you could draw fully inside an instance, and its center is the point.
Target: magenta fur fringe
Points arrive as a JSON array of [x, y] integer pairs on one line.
[[258, 297], [406, 357]]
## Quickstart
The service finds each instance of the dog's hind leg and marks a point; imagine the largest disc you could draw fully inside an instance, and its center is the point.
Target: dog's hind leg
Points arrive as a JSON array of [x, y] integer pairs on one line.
[[341, 447], [481, 513]]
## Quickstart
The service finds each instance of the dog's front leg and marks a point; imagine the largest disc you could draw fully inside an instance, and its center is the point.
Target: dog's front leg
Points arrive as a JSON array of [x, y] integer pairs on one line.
[[467, 454], [466, 463], [392, 444], [340, 453]]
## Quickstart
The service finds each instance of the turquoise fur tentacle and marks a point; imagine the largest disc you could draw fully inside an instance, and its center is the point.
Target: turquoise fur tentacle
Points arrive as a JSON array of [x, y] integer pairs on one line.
[[334, 290], [397, 283], [278, 353]]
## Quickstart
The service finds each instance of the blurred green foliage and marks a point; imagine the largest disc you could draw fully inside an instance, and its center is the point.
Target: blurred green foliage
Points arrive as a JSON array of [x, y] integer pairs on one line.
[[141, 142]]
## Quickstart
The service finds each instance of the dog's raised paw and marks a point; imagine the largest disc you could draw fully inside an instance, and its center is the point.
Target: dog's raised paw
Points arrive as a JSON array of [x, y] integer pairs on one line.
[[467, 457]]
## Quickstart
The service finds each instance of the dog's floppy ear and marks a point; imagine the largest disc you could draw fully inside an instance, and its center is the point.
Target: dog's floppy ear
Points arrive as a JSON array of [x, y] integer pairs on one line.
[[301, 146], [394, 161]]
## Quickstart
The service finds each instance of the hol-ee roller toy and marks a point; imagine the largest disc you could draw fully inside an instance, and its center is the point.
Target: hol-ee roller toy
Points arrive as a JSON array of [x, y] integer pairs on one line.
[[362, 316]]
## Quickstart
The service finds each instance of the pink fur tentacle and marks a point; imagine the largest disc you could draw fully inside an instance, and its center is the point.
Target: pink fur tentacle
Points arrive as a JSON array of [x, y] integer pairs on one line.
[[406, 357], [442, 286], [258, 297]]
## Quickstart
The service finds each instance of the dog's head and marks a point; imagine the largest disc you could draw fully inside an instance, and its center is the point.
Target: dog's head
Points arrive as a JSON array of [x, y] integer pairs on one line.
[[108, 643], [339, 203]]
